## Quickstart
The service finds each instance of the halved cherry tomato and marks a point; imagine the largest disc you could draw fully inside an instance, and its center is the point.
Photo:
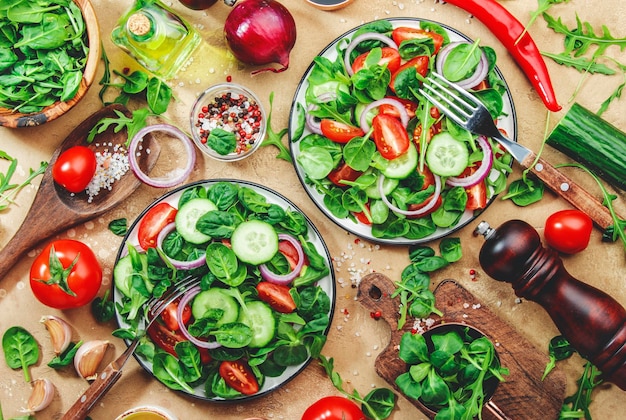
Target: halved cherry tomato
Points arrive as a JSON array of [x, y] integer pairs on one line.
[[239, 376], [170, 317], [289, 251], [166, 340], [428, 180], [333, 408], [390, 57], [410, 107], [74, 168], [277, 296], [403, 33], [390, 136], [339, 132], [476, 194], [568, 231], [343, 172], [362, 217], [153, 223], [419, 63]]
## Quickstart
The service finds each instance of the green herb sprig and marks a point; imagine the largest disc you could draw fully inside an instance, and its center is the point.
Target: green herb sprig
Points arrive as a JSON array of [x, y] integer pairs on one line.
[[8, 191], [273, 138]]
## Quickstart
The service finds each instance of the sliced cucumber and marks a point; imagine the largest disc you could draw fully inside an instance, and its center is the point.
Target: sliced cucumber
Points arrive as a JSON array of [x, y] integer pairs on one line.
[[403, 165], [447, 156], [260, 318], [187, 217], [215, 298], [254, 242], [389, 184], [123, 274]]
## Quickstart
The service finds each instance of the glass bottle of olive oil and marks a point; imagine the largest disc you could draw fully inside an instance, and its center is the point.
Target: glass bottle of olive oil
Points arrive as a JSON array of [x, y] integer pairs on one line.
[[155, 36]]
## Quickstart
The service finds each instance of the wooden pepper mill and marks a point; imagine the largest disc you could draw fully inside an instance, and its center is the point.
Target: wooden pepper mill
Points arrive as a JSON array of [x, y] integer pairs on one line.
[[592, 321]]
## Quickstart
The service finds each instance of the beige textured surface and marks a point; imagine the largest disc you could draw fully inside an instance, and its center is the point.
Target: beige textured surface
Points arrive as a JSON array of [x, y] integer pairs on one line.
[[355, 339]]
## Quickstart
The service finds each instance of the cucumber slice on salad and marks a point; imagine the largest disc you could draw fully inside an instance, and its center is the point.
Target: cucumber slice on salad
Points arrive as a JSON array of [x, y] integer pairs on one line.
[[447, 156], [403, 165], [187, 217], [260, 318], [389, 184], [254, 242], [123, 274], [215, 298]]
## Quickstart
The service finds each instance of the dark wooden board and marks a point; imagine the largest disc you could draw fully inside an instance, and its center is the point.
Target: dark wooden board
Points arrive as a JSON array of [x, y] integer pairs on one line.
[[523, 395]]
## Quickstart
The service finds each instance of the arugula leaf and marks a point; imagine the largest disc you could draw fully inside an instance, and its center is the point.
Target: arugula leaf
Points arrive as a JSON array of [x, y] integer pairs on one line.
[[8, 191], [581, 64], [273, 138], [542, 7]]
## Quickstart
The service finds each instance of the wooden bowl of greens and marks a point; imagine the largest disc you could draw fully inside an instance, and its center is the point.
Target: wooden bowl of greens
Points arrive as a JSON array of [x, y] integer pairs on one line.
[[48, 59]]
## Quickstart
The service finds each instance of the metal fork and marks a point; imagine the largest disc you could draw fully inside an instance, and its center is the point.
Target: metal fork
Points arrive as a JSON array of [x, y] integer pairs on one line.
[[110, 374], [468, 112]]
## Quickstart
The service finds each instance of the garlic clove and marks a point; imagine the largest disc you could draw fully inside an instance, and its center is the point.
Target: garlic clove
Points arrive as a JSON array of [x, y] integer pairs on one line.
[[88, 358], [41, 396], [60, 332]]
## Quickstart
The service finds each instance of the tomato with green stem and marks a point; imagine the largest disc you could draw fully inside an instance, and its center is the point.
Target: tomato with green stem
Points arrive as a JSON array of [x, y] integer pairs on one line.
[[74, 168], [66, 274], [153, 222], [568, 231], [333, 408]]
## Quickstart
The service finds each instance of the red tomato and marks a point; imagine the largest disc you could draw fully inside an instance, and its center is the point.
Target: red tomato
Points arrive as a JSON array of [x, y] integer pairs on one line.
[[390, 58], [362, 217], [170, 318], [410, 107], [289, 251], [65, 275], [338, 131], [390, 136], [429, 179], [343, 172], [166, 340], [568, 231], [277, 296], [153, 222], [74, 168], [403, 33], [239, 376], [333, 408], [476, 194], [419, 63]]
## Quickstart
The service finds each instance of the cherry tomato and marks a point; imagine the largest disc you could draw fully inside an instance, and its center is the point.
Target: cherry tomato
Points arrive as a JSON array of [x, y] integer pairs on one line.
[[65, 275], [170, 318], [419, 63], [167, 339], [568, 231], [362, 218], [410, 107], [390, 58], [239, 376], [338, 131], [333, 408], [403, 33], [428, 180], [343, 172], [277, 296], [289, 252], [74, 168], [477, 193], [153, 222], [390, 136]]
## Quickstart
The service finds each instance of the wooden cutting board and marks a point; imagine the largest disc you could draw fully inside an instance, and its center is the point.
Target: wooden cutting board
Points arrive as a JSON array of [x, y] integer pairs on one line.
[[523, 395]]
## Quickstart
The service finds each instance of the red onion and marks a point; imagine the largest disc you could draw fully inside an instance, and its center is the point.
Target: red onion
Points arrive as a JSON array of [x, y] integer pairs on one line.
[[180, 265], [417, 212], [261, 32], [191, 293], [479, 74], [482, 171], [285, 279], [312, 124], [404, 115], [364, 37], [176, 177]]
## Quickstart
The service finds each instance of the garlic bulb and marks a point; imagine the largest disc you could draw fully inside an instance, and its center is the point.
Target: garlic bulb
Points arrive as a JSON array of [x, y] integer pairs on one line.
[[88, 358], [41, 396], [60, 332]]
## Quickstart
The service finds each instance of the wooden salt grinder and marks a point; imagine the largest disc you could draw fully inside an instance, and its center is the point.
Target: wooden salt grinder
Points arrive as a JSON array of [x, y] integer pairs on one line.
[[592, 321]]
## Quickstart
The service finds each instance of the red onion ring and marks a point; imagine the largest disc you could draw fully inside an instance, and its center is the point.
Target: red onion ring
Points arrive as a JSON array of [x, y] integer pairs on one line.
[[481, 173], [176, 177], [180, 265], [285, 279], [191, 293], [479, 74], [364, 37], [404, 115], [417, 212], [311, 123]]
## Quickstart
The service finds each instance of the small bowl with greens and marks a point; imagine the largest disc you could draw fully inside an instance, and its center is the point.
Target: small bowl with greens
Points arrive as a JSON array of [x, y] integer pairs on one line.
[[49, 62], [228, 122], [453, 370]]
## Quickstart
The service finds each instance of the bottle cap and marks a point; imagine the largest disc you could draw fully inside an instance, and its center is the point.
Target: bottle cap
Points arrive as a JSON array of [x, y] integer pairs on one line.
[[329, 4], [139, 25]]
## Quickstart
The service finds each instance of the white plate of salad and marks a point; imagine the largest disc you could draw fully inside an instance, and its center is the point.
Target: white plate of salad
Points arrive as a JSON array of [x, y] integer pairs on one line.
[[374, 155], [264, 299]]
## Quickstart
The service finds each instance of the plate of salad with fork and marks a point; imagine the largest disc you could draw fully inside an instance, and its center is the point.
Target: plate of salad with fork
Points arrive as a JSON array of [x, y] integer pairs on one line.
[[374, 155], [263, 302]]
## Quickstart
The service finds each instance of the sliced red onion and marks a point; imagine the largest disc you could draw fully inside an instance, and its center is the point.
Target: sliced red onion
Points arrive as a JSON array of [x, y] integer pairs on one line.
[[479, 74], [404, 115], [191, 293], [180, 265], [481, 173], [311, 123], [364, 37], [285, 279], [176, 177], [417, 212]]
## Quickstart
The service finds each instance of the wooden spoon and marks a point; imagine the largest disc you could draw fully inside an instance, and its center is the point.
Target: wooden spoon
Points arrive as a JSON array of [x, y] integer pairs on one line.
[[54, 209]]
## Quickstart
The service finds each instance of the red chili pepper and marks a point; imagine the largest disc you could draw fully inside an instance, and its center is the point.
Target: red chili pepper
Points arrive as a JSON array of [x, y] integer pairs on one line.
[[525, 52]]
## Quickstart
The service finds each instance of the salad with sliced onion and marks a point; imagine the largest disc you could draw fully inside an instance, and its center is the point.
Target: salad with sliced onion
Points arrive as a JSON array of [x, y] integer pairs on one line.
[[375, 155]]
